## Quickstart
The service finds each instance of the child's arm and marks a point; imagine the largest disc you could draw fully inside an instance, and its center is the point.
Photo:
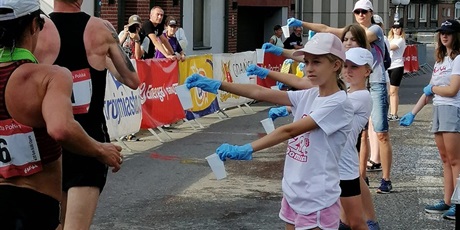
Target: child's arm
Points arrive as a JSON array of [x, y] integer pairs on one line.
[[450, 90]]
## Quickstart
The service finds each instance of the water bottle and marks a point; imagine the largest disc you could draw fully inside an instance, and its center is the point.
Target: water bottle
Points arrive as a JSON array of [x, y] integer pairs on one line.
[[455, 199]]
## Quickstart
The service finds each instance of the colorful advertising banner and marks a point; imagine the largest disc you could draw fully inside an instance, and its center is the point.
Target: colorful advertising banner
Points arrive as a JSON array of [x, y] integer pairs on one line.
[[204, 103], [160, 104], [271, 62], [122, 108], [232, 68]]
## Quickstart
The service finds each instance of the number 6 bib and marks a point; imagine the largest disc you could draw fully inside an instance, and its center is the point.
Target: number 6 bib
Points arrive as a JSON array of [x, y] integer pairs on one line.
[[19, 154]]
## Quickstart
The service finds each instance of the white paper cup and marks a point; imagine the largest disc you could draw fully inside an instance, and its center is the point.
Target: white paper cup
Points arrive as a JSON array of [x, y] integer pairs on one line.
[[260, 56], [285, 31], [217, 166], [275, 87], [185, 97], [268, 125]]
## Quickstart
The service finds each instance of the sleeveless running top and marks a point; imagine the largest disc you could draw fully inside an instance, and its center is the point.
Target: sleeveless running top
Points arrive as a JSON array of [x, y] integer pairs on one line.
[[48, 148], [89, 83]]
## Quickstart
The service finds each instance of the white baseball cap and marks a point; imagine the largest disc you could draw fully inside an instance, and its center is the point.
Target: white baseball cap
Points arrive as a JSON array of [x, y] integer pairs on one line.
[[363, 4], [360, 56], [17, 8], [378, 19], [323, 43]]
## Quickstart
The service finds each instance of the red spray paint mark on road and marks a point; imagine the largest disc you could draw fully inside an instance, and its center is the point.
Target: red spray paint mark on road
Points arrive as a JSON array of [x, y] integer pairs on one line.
[[163, 157]]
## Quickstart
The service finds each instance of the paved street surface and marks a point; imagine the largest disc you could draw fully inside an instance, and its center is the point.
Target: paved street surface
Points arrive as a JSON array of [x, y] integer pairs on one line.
[[170, 186]]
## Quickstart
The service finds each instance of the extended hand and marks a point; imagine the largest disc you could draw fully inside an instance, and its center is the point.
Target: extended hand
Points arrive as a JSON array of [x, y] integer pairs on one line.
[[256, 70], [270, 48], [206, 84], [281, 85], [288, 61], [111, 156], [281, 111], [292, 22], [407, 119], [428, 90], [235, 152], [300, 70]]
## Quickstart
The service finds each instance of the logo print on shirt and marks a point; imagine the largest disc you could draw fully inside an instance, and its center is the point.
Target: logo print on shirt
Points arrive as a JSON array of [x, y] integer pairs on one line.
[[441, 68], [297, 146]]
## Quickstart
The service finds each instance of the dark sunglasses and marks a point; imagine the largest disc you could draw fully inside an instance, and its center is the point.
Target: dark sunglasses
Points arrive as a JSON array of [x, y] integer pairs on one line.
[[361, 11]]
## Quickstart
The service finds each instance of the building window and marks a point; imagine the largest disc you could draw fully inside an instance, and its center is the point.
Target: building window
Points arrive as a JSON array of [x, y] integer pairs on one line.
[[411, 12], [201, 24], [446, 12], [434, 12], [457, 13], [423, 12]]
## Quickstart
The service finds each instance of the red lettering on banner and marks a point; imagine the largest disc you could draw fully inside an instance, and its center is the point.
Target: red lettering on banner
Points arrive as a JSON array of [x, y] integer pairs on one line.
[[160, 104], [81, 75], [273, 63]]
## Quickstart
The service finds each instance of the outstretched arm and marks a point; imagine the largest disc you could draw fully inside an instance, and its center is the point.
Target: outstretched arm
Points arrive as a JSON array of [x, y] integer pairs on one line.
[[284, 133], [317, 27], [291, 80]]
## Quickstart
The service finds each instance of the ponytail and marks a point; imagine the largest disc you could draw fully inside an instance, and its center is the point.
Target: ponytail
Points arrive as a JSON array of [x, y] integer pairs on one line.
[[341, 84]]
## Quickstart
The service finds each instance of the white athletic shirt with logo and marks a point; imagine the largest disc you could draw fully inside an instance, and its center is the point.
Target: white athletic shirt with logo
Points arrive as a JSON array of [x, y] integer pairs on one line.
[[349, 161], [442, 72], [311, 170]]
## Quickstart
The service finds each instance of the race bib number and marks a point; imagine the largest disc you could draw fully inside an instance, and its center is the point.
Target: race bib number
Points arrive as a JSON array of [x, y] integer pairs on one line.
[[19, 154], [82, 91]]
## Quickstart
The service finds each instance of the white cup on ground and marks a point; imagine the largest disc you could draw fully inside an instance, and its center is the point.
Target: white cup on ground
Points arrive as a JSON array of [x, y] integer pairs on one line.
[[184, 95], [268, 125], [217, 166], [260, 56], [285, 31]]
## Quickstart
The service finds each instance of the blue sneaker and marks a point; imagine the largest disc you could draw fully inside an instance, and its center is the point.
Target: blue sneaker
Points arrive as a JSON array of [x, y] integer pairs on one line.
[[385, 187], [437, 208], [373, 225], [450, 214]]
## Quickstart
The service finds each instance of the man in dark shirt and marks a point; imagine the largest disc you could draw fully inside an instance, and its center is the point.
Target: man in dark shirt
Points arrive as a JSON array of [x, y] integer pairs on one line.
[[295, 40], [153, 29]]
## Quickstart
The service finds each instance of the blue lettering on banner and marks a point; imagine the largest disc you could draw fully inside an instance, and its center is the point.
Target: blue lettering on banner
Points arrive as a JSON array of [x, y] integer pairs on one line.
[[117, 108]]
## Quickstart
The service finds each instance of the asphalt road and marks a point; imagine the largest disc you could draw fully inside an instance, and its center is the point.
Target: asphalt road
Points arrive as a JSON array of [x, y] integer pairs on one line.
[[170, 186]]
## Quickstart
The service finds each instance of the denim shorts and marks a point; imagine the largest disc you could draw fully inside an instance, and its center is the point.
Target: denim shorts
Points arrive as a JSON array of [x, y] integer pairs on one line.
[[327, 218], [446, 118], [379, 95]]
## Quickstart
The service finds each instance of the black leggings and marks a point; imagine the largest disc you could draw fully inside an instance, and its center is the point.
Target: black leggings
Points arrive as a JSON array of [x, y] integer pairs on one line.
[[24, 209]]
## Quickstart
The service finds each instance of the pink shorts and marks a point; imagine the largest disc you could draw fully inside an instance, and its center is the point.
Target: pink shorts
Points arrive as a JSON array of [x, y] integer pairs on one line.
[[327, 218]]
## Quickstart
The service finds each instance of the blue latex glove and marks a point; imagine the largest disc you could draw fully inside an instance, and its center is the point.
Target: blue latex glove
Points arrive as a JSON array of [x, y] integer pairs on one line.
[[206, 84], [270, 48], [288, 61], [280, 85], [274, 113], [256, 70], [235, 152], [428, 90], [301, 66], [293, 22], [311, 33], [407, 119]]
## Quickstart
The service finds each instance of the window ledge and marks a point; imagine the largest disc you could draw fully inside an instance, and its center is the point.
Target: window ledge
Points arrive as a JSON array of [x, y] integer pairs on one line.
[[202, 47]]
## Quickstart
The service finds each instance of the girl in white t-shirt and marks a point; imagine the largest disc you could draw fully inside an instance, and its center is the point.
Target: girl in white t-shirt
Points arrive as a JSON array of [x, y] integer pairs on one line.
[[322, 122], [444, 88], [355, 195], [397, 38]]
